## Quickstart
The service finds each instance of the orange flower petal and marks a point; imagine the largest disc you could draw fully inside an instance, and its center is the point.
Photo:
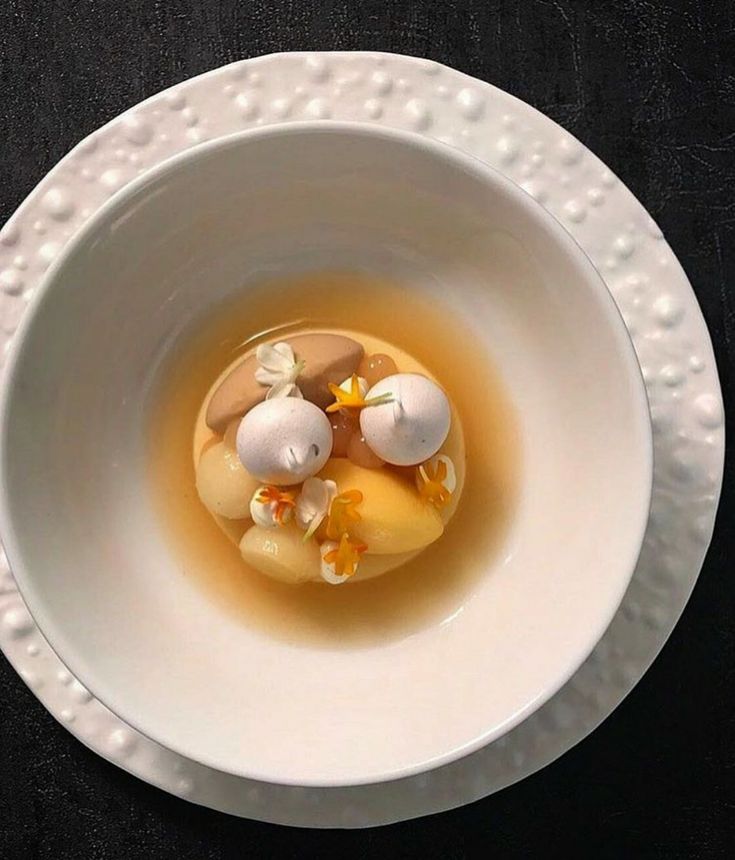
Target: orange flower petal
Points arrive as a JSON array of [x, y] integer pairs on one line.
[[346, 556], [342, 512]]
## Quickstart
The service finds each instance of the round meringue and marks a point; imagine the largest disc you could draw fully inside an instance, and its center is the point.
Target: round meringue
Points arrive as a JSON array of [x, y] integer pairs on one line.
[[284, 441], [413, 425]]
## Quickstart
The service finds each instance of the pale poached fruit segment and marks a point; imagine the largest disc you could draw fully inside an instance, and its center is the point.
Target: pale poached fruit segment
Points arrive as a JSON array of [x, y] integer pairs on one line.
[[396, 524]]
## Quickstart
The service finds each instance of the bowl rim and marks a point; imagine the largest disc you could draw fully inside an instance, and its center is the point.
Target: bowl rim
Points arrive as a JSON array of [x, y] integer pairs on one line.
[[482, 172]]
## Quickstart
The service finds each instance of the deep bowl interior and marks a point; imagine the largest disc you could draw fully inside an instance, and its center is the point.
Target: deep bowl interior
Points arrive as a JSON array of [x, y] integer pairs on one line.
[[90, 556]]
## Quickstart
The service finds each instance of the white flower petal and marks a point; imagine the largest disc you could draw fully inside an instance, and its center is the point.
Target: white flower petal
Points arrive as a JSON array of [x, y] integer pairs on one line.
[[268, 377], [331, 492], [449, 482], [284, 389], [314, 502], [311, 501], [285, 350], [361, 383], [278, 369], [263, 513], [277, 357], [293, 374]]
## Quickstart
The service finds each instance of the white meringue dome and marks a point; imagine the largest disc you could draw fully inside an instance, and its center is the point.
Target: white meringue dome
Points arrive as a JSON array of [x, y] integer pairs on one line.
[[284, 441], [411, 427]]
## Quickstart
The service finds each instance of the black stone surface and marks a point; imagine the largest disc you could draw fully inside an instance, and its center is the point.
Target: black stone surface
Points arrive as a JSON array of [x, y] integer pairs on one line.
[[650, 87]]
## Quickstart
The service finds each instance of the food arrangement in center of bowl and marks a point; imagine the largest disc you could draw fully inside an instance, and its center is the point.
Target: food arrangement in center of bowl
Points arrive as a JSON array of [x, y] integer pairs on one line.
[[342, 463]]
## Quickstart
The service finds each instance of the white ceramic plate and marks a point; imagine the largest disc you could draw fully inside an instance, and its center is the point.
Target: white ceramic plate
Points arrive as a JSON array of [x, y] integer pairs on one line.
[[644, 277]]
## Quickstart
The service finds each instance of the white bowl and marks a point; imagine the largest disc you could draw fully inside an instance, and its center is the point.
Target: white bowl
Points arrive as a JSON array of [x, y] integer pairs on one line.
[[91, 559]]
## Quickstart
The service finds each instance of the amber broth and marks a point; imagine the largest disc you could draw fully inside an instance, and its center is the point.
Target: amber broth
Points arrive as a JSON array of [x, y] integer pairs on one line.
[[432, 587]]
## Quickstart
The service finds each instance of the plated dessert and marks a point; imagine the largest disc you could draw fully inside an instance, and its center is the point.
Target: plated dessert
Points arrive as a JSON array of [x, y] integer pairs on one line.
[[339, 462], [320, 439]]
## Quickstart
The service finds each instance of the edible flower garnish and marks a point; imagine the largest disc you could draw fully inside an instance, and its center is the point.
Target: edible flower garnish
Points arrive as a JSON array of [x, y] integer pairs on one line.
[[340, 560], [313, 504], [351, 395], [271, 507], [343, 513], [436, 480], [278, 369]]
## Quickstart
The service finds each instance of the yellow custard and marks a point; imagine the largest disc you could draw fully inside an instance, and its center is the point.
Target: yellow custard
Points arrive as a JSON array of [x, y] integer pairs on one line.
[[387, 319]]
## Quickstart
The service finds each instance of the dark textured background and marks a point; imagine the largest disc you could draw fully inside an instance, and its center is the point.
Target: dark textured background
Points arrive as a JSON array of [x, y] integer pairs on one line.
[[647, 85]]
